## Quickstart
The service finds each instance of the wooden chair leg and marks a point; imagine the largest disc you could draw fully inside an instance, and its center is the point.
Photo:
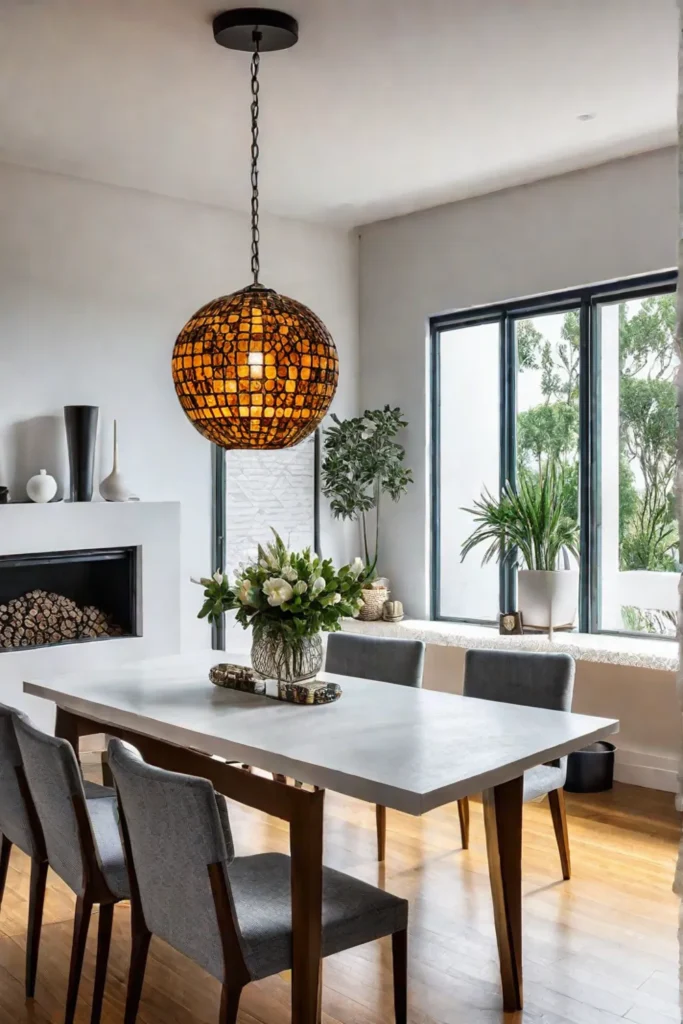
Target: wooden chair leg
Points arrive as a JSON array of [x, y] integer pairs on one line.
[[35, 922], [559, 813], [381, 814], [103, 943], [399, 944], [136, 974], [5, 851], [464, 815], [230, 1004], [81, 922]]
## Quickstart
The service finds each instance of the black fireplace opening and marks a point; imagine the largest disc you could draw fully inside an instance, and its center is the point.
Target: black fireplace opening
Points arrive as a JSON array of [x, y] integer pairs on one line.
[[69, 597]]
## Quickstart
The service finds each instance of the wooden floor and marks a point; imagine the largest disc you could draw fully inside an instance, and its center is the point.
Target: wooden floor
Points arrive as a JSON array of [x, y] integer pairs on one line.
[[600, 949]]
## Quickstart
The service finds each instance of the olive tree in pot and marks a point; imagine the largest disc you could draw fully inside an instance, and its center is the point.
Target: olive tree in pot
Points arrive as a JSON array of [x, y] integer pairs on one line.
[[531, 528], [362, 461]]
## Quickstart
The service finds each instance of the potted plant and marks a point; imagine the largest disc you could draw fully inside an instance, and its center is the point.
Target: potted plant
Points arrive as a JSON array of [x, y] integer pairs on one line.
[[531, 528], [362, 462], [287, 599]]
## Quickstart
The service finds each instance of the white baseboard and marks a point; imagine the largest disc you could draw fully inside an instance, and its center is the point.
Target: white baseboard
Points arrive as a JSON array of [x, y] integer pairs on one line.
[[641, 768]]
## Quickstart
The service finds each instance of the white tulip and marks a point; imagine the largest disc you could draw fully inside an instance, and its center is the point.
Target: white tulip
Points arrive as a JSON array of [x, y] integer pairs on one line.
[[277, 591], [336, 598], [218, 577], [301, 587], [290, 573], [357, 566], [317, 585]]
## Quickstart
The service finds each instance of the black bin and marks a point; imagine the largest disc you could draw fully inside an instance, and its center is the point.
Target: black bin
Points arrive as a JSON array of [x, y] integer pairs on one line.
[[591, 770]]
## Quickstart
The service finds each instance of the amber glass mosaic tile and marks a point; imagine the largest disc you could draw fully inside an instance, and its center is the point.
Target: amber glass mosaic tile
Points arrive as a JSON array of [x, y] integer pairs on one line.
[[255, 370]]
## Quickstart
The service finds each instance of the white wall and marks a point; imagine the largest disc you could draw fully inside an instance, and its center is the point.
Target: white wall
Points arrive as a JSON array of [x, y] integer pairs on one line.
[[95, 284], [607, 222]]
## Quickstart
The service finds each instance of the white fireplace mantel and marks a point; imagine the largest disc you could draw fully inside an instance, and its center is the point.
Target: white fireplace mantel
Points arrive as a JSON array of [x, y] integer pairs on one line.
[[154, 527]]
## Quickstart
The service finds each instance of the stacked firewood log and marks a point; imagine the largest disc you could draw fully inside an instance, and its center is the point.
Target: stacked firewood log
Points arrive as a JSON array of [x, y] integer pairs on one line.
[[41, 617]]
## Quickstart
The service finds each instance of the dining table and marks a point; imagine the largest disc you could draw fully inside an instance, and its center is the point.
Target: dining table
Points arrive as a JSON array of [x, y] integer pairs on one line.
[[404, 748]]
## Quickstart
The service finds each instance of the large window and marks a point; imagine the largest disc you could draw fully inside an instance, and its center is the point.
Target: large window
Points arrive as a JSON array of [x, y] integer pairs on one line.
[[583, 382]]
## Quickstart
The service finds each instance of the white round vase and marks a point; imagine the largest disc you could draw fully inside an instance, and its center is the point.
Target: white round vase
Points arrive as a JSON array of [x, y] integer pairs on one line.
[[42, 487]]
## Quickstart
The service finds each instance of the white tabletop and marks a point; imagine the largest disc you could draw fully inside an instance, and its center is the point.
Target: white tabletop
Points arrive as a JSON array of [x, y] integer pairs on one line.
[[409, 749]]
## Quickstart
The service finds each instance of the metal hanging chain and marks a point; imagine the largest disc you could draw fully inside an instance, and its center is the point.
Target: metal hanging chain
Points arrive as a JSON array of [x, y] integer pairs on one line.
[[255, 236]]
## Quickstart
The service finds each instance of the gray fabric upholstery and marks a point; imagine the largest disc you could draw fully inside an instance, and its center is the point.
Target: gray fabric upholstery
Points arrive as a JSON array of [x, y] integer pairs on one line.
[[54, 778], [543, 779], [177, 829], [353, 912], [369, 657], [14, 821], [533, 679]]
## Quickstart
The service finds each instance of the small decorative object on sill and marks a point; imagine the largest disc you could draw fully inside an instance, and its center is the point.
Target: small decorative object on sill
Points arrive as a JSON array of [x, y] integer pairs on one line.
[[42, 487], [236, 677], [4, 495], [113, 487], [392, 611], [309, 693], [374, 599], [287, 599], [81, 434], [511, 624]]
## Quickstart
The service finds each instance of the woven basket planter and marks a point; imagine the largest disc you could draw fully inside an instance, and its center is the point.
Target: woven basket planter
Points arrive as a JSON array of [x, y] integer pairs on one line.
[[373, 603]]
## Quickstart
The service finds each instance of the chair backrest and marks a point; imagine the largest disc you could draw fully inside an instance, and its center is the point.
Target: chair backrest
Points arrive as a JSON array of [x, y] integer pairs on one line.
[[176, 827], [369, 657], [54, 780], [15, 823], [535, 679]]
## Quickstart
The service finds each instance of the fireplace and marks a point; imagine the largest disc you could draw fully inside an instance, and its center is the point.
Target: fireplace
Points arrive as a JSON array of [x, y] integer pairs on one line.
[[64, 597]]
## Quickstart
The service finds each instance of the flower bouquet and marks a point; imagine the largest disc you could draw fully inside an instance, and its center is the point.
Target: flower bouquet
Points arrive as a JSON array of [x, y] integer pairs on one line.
[[287, 599]]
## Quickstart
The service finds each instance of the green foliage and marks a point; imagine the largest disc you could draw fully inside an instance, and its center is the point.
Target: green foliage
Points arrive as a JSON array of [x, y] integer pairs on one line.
[[530, 523], [649, 423], [549, 431], [529, 344], [361, 462], [294, 595], [651, 538], [646, 340]]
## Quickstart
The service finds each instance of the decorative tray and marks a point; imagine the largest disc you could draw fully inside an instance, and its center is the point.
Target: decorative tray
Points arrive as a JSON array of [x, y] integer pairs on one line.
[[244, 679]]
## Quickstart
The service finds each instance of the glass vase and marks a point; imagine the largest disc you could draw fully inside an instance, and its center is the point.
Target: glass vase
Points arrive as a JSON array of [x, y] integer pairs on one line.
[[275, 658]]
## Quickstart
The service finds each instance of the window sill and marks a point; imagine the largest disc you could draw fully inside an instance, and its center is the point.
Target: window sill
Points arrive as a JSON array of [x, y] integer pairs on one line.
[[631, 652]]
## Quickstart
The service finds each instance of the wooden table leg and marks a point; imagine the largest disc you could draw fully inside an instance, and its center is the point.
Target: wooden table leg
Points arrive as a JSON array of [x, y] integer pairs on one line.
[[306, 845], [503, 820]]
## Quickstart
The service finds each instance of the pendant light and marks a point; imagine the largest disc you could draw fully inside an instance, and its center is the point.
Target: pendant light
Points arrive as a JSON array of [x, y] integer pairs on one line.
[[255, 369]]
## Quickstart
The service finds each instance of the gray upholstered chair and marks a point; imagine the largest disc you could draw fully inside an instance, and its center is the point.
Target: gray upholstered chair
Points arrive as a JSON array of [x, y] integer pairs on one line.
[[390, 661], [19, 827], [537, 680], [231, 915], [82, 843]]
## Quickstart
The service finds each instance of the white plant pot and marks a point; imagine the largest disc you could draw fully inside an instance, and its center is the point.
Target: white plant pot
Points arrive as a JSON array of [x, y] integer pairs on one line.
[[548, 599]]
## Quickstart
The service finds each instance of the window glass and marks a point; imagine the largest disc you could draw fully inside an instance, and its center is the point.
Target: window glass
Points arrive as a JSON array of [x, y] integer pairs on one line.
[[469, 456], [639, 553]]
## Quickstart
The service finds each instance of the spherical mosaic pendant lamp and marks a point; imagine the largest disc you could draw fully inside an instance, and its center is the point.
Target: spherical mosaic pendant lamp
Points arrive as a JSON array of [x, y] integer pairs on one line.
[[255, 369]]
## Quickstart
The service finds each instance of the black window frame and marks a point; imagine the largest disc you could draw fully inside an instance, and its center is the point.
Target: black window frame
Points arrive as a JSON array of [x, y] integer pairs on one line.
[[586, 300]]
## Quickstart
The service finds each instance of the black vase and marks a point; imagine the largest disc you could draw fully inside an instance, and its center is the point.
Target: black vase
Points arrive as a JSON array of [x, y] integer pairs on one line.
[[81, 434]]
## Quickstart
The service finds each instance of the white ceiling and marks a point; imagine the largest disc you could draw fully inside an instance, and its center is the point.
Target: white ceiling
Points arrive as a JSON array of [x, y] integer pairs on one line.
[[384, 106]]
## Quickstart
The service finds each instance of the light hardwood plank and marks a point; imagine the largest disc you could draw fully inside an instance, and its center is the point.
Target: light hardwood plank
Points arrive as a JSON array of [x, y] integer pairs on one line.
[[599, 949]]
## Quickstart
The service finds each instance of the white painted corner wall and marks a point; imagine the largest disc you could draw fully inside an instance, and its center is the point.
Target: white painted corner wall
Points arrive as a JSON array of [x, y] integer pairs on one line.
[[95, 284], [612, 221]]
